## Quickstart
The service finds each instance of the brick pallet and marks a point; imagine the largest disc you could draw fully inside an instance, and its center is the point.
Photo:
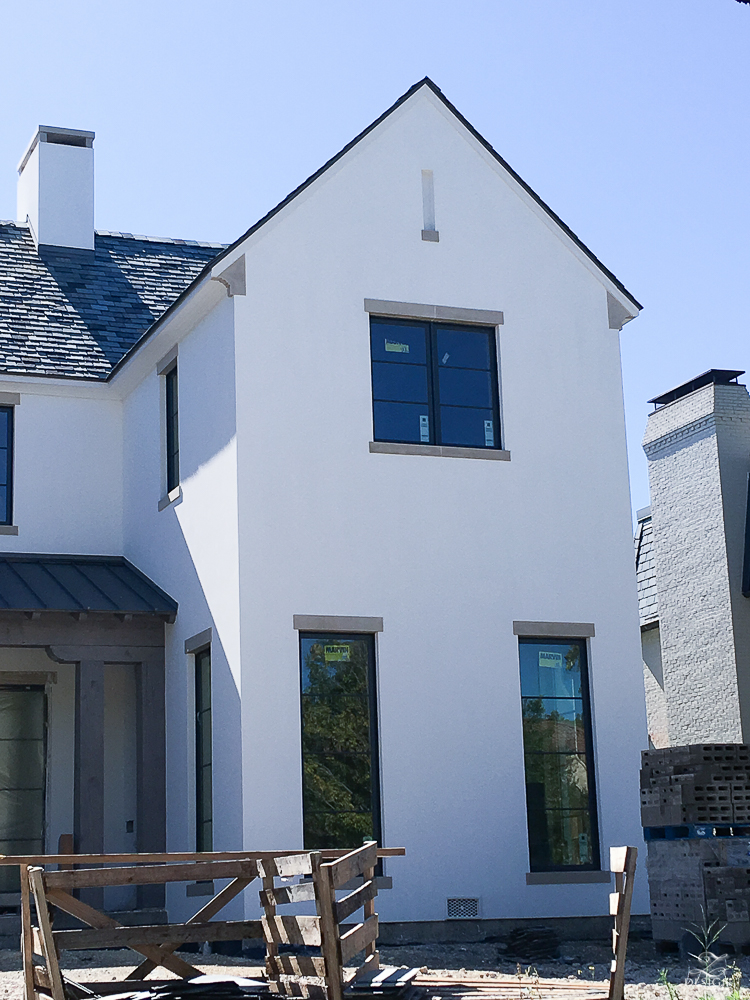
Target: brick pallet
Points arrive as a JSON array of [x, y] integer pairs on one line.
[[706, 786]]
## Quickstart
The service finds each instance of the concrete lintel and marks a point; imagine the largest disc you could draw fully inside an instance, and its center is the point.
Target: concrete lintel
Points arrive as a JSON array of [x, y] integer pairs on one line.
[[199, 641], [168, 362], [416, 310], [556, 630], [438, 451], [174, 496], [10, 398], [336, 623]]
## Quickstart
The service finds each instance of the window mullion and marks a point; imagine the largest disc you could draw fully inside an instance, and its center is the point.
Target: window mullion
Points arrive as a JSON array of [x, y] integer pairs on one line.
[[434, 384]]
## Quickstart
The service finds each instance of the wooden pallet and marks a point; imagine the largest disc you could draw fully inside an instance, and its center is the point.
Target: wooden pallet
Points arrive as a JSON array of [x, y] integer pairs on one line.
[[157, 944]]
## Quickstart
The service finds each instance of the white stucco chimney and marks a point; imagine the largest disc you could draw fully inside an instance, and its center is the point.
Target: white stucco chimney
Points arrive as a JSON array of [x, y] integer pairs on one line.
[[56, 188]]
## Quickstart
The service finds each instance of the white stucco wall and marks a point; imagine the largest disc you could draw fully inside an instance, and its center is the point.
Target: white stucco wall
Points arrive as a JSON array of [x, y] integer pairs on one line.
[[450, 552], [67, 474]]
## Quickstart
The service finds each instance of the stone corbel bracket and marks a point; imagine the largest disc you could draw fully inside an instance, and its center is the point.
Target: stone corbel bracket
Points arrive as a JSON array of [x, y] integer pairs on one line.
[[233, 277]]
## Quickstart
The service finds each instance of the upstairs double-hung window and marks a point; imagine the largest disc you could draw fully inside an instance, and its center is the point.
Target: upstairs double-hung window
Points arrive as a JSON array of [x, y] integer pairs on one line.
[[434, 383]]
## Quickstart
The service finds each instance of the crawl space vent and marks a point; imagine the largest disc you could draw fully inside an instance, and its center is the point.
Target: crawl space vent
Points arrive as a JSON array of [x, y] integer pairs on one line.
[[462, 907]]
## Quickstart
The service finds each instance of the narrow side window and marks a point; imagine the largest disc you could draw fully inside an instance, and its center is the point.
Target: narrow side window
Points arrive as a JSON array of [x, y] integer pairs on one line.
[[558, 755], [6, 464], [203, 753], [340, 773], [172, 429]]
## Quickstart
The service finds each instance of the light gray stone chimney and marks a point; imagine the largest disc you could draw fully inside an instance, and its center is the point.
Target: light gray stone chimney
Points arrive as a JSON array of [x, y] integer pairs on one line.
[[56, 188], [697, 442]]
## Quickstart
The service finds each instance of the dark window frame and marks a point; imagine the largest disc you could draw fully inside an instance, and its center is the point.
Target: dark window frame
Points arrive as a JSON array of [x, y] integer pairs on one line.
[[172, 428], [203, 716], [588, 733], [372, 693], [6, 516], [432, 328]]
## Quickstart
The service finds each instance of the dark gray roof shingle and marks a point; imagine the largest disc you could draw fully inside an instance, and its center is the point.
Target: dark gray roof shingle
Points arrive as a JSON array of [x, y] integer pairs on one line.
[[74, 313], [79, 584]]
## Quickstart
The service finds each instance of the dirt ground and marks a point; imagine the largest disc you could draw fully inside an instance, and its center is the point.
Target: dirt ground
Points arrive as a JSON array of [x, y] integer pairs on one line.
[[585, 960]]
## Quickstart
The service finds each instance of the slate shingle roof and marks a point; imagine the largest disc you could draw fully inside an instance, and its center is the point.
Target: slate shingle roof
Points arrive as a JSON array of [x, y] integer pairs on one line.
[[645, 569], [75, 314]]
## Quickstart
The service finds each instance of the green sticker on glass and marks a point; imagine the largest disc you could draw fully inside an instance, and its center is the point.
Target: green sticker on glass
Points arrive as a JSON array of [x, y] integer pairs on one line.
[[396, 348], [554, 660], [336, 653]]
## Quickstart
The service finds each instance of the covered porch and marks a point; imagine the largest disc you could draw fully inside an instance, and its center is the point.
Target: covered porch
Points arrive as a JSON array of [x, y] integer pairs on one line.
[[82, 714]]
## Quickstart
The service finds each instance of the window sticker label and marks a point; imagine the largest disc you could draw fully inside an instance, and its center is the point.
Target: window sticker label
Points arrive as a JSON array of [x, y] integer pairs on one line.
[[396, 348], [424, 428], [554, 660], [339, 654], [489, 434]]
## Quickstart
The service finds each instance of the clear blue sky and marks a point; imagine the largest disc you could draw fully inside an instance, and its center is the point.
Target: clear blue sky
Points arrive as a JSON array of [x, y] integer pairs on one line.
[[629, 117]]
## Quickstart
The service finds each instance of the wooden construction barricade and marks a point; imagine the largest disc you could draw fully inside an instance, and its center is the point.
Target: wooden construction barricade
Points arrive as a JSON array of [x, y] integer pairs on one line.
[[301, 974], [41, 944]]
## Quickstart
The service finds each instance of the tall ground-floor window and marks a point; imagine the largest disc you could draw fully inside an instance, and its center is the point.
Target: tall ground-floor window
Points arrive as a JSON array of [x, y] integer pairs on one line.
[[203, 758], [340, 776], [558, 755]]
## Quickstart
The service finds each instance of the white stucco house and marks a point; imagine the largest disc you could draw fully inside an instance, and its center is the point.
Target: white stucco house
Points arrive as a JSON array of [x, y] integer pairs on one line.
[[324, 534]]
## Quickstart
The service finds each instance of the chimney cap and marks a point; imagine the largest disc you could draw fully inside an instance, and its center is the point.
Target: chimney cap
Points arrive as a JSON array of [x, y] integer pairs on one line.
[[61, 136], [714, 376]]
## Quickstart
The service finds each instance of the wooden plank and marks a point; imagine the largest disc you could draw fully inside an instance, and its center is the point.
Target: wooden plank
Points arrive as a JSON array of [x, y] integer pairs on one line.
[[269, 910], [292, 930], [366, 971], [349, 904], [92, 917], [329, 929], [358, 937], [614, 903], [152, 874], [617, 858], [26, 939], [299, 965], [353, 864], [206, 912], [157, 934], [164, 857], [372, 956], [41, 978], [45, 929], [622, 926], [302, 893], [285, 867]]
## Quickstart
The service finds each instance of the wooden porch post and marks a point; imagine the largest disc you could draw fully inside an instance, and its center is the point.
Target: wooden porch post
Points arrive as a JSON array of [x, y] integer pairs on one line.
[[88, 811], [151, 816]]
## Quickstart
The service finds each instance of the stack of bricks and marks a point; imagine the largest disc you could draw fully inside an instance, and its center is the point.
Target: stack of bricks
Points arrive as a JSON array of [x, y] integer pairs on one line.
[[699, 862], [703, 784]]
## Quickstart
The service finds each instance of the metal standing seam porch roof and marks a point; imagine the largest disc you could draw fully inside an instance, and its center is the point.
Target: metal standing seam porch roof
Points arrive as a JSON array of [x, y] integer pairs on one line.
[[30, 582]]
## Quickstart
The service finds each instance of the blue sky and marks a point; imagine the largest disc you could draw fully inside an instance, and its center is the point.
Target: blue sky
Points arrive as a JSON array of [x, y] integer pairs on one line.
[[630, 119]]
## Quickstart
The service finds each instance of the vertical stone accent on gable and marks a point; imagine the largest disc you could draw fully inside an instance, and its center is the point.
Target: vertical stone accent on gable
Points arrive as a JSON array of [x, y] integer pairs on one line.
[[698, 449]]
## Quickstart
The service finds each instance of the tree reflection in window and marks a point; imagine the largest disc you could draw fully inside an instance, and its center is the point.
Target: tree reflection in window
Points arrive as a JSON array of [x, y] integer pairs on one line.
[[560, 801], [339, 741]]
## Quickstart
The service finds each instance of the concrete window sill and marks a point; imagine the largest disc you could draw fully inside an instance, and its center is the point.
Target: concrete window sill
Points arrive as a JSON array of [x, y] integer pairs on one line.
[[8, 529], [174, 496], [438, 451], [567, 878]]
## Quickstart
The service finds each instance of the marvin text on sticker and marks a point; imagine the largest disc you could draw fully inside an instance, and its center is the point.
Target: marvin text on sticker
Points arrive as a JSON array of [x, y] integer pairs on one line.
[[395, 347], [549, 659], [336, 653]]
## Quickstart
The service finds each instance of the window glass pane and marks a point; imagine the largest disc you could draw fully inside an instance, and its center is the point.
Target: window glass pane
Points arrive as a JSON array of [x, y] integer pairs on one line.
[[203, 752], [393, 342], [21, 715], [407, 383], [4, 470], [464, 387], [469, 427], [462, 348], [556, 735], [339, 759], [4, 424], [401, 422]]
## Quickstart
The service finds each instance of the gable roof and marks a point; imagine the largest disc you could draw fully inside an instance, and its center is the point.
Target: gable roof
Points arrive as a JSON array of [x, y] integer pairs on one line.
[[63, 314], [73, 313]]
